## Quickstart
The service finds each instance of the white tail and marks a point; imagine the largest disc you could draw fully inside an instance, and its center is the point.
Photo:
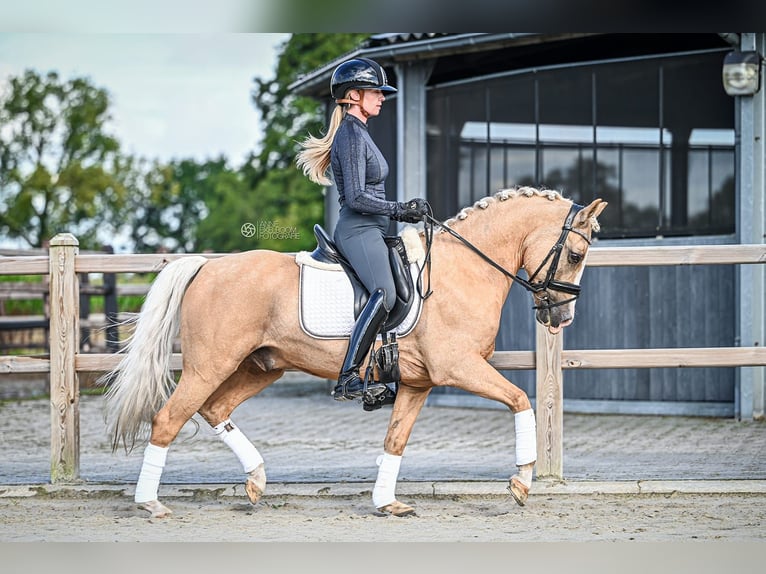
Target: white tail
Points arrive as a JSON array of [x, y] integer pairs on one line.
[[143, 381]]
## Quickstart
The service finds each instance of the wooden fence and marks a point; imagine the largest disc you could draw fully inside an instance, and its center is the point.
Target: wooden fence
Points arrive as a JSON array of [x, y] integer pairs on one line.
[[34, 329], [549, 359]]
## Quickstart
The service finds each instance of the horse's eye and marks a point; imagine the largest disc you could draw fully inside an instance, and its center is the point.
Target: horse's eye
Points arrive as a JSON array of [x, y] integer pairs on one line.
[[574, 258]]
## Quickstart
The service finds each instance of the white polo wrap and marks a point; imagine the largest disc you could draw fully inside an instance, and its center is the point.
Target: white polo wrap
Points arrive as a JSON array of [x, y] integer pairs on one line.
[[526, 437], [151, 472], [385, 485], [236, 440]]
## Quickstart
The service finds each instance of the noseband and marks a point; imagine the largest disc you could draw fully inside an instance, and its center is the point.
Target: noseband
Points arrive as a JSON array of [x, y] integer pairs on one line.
[[534, 287], [550, 282]]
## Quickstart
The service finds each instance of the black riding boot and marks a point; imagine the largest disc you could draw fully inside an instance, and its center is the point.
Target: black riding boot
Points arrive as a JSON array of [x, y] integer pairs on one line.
[[350, 386]]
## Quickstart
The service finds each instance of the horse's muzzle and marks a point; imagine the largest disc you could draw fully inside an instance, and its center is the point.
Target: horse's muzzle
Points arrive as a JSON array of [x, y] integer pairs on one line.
[[555, 318]]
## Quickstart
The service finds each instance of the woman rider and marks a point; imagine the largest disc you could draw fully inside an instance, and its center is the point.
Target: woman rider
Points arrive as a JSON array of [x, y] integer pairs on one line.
[[359, 169]]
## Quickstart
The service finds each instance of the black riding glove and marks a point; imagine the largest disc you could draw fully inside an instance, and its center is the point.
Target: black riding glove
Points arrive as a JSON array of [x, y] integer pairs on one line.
[[411, 211]]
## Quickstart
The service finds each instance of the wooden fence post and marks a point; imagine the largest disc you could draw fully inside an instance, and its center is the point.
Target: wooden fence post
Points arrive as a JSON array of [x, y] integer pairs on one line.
[[550, 404], [64, 342]]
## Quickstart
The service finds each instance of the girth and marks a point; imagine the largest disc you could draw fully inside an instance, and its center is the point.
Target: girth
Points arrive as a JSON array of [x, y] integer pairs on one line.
[[327, 252]]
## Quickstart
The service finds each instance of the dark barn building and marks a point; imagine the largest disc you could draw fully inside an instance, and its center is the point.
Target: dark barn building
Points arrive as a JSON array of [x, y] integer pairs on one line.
[[640, 120]]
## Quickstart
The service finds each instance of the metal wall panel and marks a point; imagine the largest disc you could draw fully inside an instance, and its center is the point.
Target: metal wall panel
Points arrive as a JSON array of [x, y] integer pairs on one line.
[[637, 307]]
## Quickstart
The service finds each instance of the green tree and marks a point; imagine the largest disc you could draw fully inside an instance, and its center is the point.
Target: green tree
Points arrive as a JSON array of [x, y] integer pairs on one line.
[[60, 169], [287, 118], [281, 194], [190, 206], [172, 202]]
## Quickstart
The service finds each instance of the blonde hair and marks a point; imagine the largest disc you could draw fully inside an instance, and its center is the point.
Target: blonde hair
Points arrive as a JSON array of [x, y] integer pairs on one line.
[[314, 158]]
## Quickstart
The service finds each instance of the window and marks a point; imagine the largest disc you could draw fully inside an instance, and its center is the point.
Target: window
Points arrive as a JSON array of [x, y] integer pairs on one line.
[[654, 137]]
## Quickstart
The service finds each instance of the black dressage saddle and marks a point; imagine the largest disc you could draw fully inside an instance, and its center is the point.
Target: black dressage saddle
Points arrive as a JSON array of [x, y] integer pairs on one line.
[[327, 252]]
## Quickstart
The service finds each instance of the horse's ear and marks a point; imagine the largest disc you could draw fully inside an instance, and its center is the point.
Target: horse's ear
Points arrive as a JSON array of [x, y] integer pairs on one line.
[[591, 211]]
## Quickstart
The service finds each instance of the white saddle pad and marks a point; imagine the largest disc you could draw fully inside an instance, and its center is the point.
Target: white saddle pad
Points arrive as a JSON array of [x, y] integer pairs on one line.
[[326, 301]]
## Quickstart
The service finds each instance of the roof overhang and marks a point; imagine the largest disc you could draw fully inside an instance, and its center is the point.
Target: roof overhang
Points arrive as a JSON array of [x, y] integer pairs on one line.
[[386, 50]]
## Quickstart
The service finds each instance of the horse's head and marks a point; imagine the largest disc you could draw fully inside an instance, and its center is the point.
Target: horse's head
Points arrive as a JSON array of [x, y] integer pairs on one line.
[[555, 260]]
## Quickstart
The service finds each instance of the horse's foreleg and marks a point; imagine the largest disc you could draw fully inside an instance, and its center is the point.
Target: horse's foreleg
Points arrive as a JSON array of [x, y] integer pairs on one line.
[[526, 455], [481, 378], [242, 385], [409, 402]]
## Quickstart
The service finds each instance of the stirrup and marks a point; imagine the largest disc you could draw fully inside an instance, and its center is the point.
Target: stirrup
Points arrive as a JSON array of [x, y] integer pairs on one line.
[[387, 360], [363, 390], [374, 402]]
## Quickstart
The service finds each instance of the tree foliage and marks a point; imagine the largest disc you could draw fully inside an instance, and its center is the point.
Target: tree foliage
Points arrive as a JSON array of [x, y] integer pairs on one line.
[[192, 206], [286, 117], [172, 202], [59, 167], [281, 193]]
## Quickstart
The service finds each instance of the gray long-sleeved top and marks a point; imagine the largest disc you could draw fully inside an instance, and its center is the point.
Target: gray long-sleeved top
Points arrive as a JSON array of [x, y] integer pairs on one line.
[[359, 169]]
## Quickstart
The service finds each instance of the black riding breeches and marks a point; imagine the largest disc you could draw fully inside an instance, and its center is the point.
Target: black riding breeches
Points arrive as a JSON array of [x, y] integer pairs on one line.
[[360, 238]]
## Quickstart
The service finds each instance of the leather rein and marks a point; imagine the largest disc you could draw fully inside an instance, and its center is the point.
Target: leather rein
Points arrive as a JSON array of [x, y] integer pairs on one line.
[[534, 287]]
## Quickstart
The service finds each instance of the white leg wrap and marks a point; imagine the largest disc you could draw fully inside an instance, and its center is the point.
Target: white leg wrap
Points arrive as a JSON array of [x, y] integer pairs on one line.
[[151, 472], [385, 485], [526, 437], [235, 439]]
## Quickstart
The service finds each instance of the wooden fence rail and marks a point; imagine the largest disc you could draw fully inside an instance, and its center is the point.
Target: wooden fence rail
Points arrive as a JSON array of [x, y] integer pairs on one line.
[[549, 359]]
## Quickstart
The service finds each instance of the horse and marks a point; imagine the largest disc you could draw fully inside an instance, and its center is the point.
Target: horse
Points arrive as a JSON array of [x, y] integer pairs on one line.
[[238, 321]]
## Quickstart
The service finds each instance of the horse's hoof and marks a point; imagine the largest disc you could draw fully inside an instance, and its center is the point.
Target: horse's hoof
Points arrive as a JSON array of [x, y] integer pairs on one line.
[[397, 508], [255, 485], [157, 509], [519, 491]]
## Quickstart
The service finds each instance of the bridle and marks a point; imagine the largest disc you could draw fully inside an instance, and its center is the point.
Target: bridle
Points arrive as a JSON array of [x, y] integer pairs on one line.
[[539, 288]]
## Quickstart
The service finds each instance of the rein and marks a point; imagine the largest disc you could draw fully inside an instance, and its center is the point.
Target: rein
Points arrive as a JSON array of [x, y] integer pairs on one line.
[[534, 287]]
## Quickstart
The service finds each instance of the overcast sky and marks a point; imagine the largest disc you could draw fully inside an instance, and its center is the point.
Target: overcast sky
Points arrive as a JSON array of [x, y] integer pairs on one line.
[[173, 95]]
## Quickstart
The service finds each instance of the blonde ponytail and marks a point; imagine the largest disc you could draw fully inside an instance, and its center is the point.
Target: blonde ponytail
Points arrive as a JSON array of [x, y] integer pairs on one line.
[[314, 158]]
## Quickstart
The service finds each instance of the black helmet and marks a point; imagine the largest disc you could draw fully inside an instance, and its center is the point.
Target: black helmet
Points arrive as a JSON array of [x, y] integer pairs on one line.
[[359, 73]]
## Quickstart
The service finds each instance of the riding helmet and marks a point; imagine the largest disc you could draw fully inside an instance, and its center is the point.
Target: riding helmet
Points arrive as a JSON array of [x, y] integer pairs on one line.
[[358, 73]]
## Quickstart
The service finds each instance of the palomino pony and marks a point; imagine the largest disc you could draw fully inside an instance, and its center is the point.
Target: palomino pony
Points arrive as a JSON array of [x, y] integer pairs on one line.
[[238, 317]]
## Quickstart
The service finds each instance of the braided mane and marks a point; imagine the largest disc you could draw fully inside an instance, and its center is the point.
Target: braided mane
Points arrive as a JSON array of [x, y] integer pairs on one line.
[[506, 194]]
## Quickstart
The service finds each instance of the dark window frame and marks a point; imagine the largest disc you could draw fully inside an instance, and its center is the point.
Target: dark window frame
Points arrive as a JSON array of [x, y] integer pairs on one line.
[[673, 217]]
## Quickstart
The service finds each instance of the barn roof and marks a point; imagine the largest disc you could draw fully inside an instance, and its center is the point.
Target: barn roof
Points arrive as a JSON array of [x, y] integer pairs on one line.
[[390, 48]]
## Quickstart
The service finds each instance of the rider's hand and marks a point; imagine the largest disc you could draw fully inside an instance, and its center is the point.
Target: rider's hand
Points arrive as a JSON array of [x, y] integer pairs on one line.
[[411, 211]]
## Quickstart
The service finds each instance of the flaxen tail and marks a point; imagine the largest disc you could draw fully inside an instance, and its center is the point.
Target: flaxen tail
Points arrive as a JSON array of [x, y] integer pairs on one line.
[[143, 381]]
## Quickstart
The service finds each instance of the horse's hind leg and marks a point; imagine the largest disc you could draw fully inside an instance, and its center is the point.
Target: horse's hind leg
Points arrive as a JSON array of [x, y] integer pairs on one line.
[[246, 382], [190, 394], [192, 391]]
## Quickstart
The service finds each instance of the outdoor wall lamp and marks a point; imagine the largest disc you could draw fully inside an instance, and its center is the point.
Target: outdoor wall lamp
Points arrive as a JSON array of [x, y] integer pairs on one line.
[[741, 73]]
